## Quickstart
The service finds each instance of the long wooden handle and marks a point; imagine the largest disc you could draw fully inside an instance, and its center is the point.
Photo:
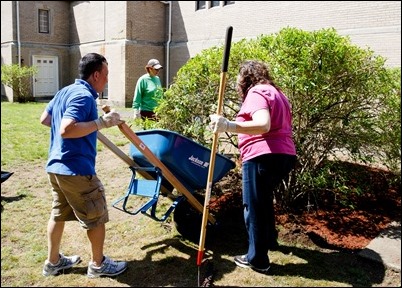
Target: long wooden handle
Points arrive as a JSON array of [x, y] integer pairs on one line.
[[167, 174], [222, 85], [109, 144]]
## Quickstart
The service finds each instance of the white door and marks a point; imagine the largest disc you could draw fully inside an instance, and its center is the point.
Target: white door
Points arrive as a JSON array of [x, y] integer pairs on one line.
[[46, 81]]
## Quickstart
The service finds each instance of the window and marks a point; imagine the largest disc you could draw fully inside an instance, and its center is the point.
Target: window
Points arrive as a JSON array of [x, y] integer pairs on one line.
[[210, 4], [228, 3], [43, 21], [215, 3], [200, 5]]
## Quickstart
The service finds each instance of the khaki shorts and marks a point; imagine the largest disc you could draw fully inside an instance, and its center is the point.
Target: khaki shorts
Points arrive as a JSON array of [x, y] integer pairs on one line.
[[79, 198]]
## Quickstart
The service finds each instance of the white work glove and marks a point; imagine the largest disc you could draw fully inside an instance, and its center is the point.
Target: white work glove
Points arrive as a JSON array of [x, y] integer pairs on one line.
[[220, 124], [137, 114], [108, 120]]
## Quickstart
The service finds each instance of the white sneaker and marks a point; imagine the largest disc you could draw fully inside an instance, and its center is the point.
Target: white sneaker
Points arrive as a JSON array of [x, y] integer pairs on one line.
[[107, 268], [64, 263]]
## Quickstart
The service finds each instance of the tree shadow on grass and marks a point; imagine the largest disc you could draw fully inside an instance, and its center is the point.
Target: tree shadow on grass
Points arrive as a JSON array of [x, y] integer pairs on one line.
[[229, 239], [327, 266], [176, 271], [309, 263], [182, 270]]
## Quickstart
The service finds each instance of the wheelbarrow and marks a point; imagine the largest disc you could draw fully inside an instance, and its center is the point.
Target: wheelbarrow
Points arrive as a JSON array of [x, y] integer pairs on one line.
[[187, 160]]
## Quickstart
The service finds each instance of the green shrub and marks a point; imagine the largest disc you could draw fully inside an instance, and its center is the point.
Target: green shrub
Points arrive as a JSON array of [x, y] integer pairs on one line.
[[18, 79], [345, 102]]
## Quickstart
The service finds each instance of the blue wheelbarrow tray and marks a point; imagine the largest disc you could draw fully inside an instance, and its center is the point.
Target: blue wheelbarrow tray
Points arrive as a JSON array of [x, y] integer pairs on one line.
[[185, 158]]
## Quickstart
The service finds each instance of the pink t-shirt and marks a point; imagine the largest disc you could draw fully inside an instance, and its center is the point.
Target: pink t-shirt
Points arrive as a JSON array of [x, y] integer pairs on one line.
[[279, 138]]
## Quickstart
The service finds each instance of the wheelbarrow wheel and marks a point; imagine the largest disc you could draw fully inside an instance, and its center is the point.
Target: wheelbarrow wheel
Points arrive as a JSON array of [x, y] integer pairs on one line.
[[188, 220]]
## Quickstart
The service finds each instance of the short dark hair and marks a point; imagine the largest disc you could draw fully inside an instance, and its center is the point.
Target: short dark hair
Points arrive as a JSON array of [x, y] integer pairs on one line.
[[90, 63]]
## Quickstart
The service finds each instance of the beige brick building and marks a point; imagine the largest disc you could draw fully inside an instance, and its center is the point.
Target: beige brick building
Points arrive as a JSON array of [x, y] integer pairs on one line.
[[54, 35]]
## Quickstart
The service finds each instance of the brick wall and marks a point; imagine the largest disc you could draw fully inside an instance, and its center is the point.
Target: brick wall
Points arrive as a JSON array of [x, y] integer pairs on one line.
[[374, 24]]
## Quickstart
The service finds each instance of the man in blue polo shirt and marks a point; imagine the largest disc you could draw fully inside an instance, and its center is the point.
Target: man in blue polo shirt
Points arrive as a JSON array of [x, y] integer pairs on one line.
[[77, 192]]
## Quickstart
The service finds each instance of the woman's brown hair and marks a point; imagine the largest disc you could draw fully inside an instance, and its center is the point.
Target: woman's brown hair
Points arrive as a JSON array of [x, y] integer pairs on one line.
[[252, 73]]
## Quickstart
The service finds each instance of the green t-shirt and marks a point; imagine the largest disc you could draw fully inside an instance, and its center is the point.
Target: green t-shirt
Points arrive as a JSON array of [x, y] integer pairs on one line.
[[148, 92]]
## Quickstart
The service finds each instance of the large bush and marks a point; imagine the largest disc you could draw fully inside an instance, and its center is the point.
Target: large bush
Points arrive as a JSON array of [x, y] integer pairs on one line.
[[345, 101]]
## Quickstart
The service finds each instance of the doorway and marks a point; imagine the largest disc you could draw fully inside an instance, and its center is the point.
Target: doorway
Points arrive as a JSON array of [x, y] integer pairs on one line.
[[46, 81]]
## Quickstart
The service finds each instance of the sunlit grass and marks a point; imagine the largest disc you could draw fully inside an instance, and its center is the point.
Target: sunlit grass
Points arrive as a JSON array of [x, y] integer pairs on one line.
[[24, 139]]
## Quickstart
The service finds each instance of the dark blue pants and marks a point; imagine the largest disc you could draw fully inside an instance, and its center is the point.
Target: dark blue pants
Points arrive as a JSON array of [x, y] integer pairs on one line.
[[261, 175]]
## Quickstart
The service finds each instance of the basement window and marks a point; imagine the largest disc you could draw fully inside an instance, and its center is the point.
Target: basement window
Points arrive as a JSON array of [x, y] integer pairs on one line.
[[215, 3], [200, 5]]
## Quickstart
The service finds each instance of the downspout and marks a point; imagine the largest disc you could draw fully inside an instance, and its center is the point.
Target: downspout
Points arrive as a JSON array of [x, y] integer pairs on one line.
[[168, 42], [18, 34]]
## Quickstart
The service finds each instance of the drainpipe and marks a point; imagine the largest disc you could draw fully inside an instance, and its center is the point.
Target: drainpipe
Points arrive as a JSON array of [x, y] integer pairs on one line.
[[168, 42], [18, 34]]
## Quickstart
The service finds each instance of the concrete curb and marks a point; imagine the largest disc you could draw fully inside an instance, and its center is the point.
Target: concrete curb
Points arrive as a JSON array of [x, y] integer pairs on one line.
[[386, 247]]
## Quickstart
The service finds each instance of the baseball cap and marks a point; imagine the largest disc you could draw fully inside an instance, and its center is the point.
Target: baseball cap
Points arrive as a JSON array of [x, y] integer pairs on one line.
[[154, 63]]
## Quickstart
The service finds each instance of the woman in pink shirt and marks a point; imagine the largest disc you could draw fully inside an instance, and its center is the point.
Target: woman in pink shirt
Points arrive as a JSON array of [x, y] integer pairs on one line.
[[268, 154]]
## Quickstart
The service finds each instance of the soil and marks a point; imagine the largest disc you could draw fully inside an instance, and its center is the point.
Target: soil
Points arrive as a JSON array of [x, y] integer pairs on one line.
[[330, 224]]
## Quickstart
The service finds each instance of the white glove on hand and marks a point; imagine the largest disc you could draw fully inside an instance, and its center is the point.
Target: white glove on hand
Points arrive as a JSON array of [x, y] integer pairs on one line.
[[137, 114], [108, 120], [220, 124]]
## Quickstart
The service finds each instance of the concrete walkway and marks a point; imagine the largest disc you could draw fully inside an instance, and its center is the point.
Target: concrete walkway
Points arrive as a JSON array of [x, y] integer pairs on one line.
[[386, 248]]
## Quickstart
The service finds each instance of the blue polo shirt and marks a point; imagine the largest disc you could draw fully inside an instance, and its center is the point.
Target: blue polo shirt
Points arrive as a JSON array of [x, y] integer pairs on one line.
[[73, 156]]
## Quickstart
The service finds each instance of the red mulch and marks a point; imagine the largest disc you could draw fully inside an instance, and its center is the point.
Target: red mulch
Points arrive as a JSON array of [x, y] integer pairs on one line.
[[331, 225]]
